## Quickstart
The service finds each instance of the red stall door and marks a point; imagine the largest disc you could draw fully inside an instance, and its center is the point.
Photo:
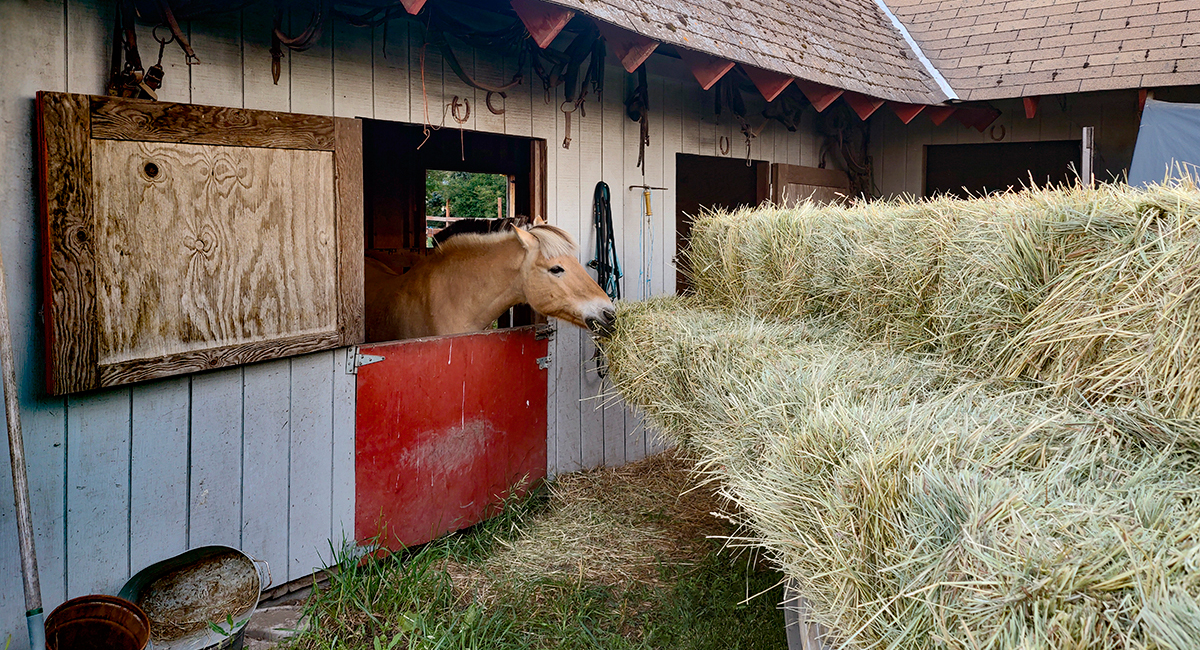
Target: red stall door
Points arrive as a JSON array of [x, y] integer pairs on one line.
[[446, 428]]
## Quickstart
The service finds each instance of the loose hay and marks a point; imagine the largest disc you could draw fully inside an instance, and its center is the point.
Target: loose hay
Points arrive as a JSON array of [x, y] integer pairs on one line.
[[609, 527], [980, 441]]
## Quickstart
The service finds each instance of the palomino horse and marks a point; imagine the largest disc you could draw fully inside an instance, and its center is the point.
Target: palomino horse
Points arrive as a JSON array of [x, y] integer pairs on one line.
[[471, 279]]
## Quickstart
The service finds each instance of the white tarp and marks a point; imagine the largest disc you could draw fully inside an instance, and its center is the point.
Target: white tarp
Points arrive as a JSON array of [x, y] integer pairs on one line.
[[1168, 143]]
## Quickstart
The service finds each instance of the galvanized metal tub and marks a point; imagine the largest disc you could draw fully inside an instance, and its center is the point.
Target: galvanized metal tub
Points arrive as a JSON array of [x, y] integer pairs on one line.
[[191, 598]]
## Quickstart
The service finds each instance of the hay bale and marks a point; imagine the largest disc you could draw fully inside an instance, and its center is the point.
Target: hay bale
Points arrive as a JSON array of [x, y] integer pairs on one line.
[[918, 507], [1088, 291]]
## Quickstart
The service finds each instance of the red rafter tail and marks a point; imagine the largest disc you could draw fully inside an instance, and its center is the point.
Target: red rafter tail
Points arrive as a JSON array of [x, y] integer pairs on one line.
[[1031, 105], [820, 95], [906, 112], [863, 105], [939, 114], [707, 68], [978, 117], [769, 83], [630, 47], [543, 20], [413, 7]]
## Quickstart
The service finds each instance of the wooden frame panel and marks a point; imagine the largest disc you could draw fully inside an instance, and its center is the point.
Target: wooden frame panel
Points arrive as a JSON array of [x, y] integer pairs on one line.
[[821, 185], [67, 127]]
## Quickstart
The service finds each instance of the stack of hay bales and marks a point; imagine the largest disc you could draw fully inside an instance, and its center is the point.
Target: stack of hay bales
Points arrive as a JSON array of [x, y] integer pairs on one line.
[[958, 424]]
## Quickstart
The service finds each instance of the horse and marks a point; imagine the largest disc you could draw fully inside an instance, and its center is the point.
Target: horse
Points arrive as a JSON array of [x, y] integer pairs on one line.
[[471, 279]]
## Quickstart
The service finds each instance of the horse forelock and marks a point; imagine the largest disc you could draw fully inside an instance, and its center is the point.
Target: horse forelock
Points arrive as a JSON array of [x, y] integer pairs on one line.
[[553, 241]]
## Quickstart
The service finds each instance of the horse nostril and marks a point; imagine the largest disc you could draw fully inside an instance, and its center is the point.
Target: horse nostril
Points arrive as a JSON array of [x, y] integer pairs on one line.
[[610, 315]]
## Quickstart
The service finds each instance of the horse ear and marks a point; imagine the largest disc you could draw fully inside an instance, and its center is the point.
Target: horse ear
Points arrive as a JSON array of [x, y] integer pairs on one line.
[[539, 221], [528, 241]]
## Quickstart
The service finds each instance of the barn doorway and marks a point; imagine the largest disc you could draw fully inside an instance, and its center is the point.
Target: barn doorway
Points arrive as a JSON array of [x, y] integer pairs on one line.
[[712, 183], [964, 170], [446, 427]]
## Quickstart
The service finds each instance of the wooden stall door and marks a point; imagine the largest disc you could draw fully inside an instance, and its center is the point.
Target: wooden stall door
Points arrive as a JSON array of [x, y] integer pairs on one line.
[[447, 428], [792, 185], [180, 238]]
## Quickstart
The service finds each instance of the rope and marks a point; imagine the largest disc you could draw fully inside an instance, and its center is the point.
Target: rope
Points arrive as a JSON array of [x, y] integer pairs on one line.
[[608, 267]]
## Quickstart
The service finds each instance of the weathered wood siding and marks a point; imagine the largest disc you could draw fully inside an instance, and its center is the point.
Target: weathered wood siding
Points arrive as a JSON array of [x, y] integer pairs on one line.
[[261, 456], [898, 150]]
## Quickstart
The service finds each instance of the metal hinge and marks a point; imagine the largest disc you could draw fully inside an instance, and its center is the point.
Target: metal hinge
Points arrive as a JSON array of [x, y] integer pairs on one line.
[[544, 362], [355, 359]]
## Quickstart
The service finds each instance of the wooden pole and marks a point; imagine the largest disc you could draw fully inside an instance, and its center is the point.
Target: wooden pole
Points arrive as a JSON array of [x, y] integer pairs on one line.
[[16, 451]]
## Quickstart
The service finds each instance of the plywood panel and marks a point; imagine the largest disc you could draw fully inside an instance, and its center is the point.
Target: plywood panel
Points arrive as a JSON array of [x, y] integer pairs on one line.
[[518, 106], [453, 87], [177, 272], [489, 71], [613, 154], [311, 478], [390, 87], [97, 472], [591, 417], [215, 498], [311, 73], [267, 420], [89, 31], [218, 80], [261, 91], [33, 52], [352, 75], [567, 378], [158, 498], [344, 407]]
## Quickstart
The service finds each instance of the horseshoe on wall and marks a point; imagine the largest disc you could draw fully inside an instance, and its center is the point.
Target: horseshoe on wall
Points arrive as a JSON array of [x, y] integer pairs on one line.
[[488, 101]]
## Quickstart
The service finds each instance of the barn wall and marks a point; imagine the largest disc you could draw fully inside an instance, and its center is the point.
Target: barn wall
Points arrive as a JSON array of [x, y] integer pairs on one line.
[[261, 456], [898, 150]]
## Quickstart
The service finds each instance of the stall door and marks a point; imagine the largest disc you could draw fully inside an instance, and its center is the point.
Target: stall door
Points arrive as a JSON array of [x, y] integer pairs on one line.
[[447, 428]]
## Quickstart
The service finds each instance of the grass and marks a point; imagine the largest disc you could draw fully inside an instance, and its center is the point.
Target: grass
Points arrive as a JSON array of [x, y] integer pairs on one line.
[[606, 559]]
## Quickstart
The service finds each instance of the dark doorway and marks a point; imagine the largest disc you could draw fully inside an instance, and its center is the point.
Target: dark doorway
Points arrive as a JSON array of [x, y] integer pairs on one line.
[[397, 161], [712, 183], [974, 169]]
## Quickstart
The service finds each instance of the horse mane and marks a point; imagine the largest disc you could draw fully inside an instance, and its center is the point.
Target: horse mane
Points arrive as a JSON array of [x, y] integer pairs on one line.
[[552, 240], [477, 227]]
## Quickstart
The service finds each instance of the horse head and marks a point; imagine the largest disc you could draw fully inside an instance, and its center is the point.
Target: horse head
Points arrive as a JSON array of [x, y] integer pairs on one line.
[[556, 284]]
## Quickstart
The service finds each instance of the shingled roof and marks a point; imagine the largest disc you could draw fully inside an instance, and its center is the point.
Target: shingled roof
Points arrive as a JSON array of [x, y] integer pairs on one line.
[[848, 44], [929, 51], [994, 49]]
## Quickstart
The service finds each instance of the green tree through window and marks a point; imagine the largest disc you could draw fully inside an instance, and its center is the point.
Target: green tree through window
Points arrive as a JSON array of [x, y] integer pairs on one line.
[[471, 196]]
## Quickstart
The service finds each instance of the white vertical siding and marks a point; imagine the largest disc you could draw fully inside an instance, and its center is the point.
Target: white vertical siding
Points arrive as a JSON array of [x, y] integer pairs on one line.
[[262, 457], [898, 150]]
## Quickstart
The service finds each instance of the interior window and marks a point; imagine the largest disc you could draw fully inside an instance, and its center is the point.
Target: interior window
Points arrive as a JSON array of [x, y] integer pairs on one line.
[[451, 196]]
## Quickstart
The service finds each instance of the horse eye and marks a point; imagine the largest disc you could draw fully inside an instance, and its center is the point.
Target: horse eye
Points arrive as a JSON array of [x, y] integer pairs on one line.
[[556, 270]]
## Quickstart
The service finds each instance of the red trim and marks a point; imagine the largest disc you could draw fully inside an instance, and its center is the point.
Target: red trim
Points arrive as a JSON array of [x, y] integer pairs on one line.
[[1031, 106], [630, 47], [939, 114], [906, 112], [979, 117], [543, 20], [769, 83], [413, 6], [1142, 93], [706, 68], [820, 95], [863, 105]]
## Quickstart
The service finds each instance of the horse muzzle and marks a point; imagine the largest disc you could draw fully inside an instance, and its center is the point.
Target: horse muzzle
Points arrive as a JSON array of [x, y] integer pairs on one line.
[[603, 324]]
